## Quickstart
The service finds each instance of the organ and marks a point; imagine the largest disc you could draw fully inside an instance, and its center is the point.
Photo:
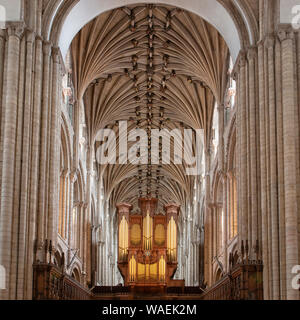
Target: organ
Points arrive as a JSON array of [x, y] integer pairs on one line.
[[147, 242]]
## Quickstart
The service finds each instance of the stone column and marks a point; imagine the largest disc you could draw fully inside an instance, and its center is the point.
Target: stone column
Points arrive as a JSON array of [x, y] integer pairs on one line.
[[252, 58], [243, 176], [10, 104], [72, 178], [290, 170], [84, 241], [221, 111], [2, 110], [269, 44], [280, 179], [263, 170], [42, 202], [54, 151], [225, 219]]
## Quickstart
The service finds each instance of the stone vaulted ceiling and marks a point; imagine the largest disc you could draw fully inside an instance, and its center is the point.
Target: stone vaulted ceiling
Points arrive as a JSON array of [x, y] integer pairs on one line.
[[156, 67]]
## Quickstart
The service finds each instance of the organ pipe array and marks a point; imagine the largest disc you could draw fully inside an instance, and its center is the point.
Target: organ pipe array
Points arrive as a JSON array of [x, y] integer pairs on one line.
[[172, 240], [147, 244], [123, 239], [148, 231]]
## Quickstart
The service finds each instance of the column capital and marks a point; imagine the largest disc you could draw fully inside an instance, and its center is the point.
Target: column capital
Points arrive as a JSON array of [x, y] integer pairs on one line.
[[221, 107], [73, 176], [30, 35], [269, 42], [3, 34], [252, 53], [76, 204], [229, 174], [47, 46], [212, 205], [56, 54], [38, 37], [285, 34], [85, 205], [219, 205], [222, 174], [240, 62], [64, 172], [15, 29], [81, 204]]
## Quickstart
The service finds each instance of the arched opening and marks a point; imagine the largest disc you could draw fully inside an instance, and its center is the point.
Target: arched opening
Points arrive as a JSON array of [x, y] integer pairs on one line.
[[235, 258], [210, 10], [218, 275], [71, 68], [76, 274], [57, 259]]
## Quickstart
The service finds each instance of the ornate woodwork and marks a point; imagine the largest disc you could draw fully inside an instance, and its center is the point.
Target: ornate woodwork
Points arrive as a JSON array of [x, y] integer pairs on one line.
[[147, 255], [244, 281], [51, 283]]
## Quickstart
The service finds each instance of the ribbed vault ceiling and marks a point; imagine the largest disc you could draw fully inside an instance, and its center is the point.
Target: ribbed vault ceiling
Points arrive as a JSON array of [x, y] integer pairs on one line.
[[156, 67]]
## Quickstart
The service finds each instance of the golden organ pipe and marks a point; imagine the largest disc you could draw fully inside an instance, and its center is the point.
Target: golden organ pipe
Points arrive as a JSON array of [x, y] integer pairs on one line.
[[172, 239]]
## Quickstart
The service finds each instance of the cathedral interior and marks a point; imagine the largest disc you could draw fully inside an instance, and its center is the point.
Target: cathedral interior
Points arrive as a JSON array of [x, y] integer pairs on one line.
[[75, 228]]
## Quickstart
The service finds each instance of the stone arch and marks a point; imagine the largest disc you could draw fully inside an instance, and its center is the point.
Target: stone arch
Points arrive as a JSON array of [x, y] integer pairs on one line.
[[57, 259], [235, 254], [217, 187], [75, 273], [231, 145], [218, 275], [65, 146], [230, 165], [64, 21], [81, 183]]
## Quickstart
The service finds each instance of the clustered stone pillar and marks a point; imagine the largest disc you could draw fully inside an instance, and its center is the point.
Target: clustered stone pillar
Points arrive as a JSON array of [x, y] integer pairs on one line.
[[268, 158], [9, 123], [290, 119], [29, 163]]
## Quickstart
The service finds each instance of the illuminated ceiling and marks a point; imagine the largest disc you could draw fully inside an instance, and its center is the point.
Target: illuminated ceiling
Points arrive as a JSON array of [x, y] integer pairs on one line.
[[157, 67]]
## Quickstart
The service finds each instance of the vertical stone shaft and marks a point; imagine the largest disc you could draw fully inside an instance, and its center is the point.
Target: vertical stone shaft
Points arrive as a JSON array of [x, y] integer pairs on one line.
[[41, 234], [279, 141], [54, 154], [273, 169], [225, 218], [2, 72], [18, 238], [9, 143], [253, 145], [34, 160], [243, 150], [263, 175], [289, 141]]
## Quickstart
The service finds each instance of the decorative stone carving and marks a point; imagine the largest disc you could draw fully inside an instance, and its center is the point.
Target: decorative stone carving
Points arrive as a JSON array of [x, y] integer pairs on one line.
[[252, 53], [15, 29]]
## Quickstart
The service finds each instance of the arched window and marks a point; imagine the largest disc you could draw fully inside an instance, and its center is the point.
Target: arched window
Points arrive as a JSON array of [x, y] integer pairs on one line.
[[231, 92], [76, 217], [75, 224], [215, 130], [64, 192], [62, 205], [68, 88], [232, 191], [219, 219], [233, 206]]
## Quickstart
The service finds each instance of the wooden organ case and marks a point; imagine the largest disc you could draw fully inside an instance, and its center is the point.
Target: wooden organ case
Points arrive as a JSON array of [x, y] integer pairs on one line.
[[147, 256]]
